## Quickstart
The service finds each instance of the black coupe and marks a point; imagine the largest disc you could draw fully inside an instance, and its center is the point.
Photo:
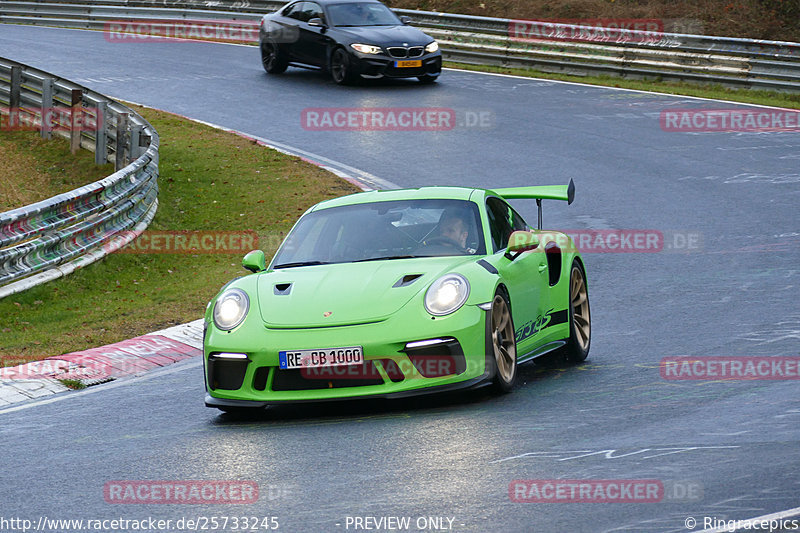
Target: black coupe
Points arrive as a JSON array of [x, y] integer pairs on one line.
[[351, 39]]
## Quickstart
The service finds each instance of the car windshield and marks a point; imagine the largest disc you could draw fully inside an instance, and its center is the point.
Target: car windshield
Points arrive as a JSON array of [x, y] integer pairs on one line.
[[396, 229], [361, 14]]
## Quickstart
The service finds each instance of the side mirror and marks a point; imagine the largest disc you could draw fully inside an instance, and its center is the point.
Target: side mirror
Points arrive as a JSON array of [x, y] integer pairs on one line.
[[255, 261], [521, 241], [405, 20], [316, 21]]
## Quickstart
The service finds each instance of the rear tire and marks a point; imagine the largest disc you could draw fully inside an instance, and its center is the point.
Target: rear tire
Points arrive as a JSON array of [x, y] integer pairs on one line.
[[271, 58], [580, 320], [502, 344]]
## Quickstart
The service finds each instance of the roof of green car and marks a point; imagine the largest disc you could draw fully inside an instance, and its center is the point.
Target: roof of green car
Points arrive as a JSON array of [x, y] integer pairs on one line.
[[421, 193]]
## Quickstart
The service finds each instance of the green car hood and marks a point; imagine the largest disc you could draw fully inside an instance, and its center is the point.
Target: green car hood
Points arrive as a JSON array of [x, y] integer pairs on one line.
[[346, 293]]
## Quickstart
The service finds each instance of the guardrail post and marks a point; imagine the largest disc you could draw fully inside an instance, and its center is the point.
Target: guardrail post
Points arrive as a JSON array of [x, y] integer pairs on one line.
[[122, 140], [47, 107], [144, 144], [136, 147], [101, 137], [76, 121], [16, 87]]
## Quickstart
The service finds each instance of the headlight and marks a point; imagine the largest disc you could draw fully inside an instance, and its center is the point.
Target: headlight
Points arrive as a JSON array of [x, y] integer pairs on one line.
[[366, 48], [446, 294], [431, 48], [230, 309]]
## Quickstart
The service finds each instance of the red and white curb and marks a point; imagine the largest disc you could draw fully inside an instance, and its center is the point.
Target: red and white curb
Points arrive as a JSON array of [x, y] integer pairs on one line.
[[132, 357]]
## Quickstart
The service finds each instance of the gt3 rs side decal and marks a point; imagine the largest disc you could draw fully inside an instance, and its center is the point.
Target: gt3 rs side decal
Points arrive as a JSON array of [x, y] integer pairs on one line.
[[546, 320]]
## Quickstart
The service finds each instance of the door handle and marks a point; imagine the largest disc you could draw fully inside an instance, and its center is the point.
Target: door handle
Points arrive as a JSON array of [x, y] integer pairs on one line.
[[542, 267]]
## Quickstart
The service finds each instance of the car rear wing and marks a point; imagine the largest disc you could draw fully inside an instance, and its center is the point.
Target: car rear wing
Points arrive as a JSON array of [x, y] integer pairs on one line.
[[565, 193]]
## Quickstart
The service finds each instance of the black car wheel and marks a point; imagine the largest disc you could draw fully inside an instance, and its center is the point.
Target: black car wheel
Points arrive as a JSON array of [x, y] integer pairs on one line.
[[271, 58], [427, 79], [340, 67]]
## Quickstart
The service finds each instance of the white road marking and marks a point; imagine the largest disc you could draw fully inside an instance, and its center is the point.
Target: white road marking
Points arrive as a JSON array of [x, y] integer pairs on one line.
[[609, 454]]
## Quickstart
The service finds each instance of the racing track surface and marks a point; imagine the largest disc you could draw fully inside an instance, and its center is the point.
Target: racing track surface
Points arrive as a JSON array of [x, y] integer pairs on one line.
[[454, 456]]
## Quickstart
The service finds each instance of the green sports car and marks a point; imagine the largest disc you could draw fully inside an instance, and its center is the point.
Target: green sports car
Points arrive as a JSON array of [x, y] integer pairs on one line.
[[394, 293]]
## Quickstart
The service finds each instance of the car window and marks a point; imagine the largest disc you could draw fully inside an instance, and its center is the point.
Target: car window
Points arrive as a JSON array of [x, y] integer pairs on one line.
[[313, 10], [389, 229], [503, 221], [294, 11], [362, 14]]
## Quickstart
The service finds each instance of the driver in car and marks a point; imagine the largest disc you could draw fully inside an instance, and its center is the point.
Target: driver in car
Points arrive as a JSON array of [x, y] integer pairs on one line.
[[451, 231], [454, 229]]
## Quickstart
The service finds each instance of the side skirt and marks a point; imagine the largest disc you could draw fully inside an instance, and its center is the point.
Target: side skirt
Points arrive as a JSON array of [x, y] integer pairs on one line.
[[540, 351]]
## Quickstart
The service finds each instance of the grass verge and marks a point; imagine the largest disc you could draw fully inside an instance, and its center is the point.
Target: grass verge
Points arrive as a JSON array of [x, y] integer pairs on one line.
[[35, 169], [209, 180]]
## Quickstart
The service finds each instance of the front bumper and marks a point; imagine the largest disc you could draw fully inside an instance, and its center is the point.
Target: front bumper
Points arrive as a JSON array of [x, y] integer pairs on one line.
[[383, 66], [391, 369]]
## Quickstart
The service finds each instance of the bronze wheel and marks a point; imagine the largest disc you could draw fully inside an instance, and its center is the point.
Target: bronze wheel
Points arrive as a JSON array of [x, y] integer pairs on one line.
[[504, 344], [580, 320]]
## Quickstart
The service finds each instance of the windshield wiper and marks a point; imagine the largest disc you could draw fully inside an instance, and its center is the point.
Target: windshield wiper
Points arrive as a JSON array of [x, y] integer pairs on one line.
[[385, 258], [301, 264]]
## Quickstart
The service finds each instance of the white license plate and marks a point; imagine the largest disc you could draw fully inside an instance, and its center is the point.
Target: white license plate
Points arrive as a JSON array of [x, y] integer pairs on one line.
[[350, 355]]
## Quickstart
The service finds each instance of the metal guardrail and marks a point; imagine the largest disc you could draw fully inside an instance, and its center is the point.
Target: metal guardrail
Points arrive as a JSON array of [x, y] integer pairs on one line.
[[54, 237], [545, 46]]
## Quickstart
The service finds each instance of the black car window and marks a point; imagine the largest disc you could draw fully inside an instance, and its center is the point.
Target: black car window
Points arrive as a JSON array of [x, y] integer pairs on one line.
[[313, 10], [362, 14], [294, 11], [503, 221]]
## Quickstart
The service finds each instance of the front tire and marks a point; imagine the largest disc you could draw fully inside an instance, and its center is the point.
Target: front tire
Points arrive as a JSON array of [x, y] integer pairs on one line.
[[340, 68], [426, 79], [271, 58], [503, 344]]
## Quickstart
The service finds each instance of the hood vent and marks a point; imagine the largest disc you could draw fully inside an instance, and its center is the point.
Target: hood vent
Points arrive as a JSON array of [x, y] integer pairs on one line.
[[407, 280], [283, 289]]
